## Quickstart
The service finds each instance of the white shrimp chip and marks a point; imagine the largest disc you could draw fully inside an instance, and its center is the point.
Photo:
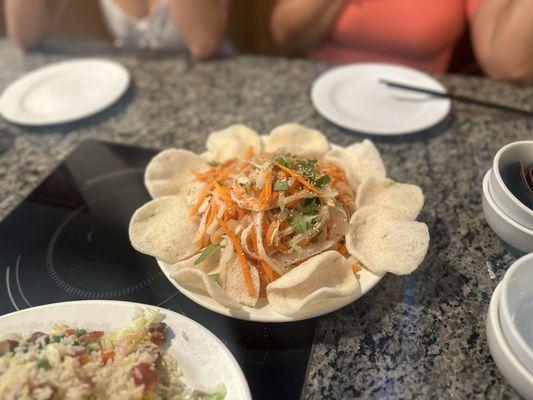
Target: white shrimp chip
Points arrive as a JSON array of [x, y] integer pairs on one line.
[[235, 286], [322, 277], [403, 199], [161, 228], [170, 172], [297, 140], [386, 243], [232, 142], [201, 279], [359, 161]]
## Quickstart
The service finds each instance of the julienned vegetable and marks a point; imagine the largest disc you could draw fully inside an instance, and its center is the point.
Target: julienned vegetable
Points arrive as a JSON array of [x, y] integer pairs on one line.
[[273, 210], [209, 251]]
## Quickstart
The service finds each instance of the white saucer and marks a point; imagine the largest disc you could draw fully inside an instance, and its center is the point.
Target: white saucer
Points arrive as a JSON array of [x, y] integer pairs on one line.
[[64, 92], [352, 97]]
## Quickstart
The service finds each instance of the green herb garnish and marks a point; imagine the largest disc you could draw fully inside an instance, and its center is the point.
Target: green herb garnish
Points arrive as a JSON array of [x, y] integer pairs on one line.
[[310, 206], [55, 339], [285, 161], [323, 180], [307, 168], [215, 277], [81, 332], [300, 225], [280, 186], [43, 363], [208, 252], [213, 163]]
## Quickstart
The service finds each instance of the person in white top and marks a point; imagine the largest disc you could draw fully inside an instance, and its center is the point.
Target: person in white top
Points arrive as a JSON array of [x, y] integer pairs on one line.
[[195, 25]]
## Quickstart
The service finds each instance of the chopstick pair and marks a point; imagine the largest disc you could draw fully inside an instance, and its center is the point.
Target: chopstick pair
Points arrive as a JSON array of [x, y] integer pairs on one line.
[[464, 99]]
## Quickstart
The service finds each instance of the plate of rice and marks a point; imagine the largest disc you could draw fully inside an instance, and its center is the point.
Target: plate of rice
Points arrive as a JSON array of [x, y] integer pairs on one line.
[[101, 349]]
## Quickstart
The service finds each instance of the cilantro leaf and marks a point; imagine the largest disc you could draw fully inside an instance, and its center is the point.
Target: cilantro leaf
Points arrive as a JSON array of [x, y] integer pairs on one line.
[[322, 181], [213, 163], [280, 186], [285, 161], [215, 277], [299, 225], [310, 206]]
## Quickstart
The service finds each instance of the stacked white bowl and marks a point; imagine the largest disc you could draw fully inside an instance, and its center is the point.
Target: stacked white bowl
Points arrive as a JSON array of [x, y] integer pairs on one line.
[[510, 326], [506, 215]]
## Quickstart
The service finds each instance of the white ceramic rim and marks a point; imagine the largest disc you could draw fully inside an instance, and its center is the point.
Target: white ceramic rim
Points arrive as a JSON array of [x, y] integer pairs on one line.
[[263, 312], [523, 351], [488, 196], [494, 328], [317, 100], [502, 185], [245, 390], [13, 89]]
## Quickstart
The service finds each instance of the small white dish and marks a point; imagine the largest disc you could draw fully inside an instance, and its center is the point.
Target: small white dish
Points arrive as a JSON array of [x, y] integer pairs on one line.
[[516, 309], [352, 97], [506, 228], [262, 312], [502, 196], [203, 358], [510, 367], [64, 92]]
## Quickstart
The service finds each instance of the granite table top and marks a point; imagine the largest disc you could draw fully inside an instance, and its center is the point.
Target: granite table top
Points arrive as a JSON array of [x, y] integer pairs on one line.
[[421, 335]]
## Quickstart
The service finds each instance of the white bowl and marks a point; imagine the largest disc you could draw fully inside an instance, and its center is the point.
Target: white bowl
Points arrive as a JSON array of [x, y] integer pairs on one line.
[[510, 367], [506, 228], [503, 197], [516, 309]]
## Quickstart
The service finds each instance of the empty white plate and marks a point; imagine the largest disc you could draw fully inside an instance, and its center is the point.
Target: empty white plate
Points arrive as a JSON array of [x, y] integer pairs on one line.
[[64, 92], [352, 97]]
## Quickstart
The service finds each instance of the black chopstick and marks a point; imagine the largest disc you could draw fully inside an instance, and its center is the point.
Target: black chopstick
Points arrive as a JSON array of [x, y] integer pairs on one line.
[[457, 97]]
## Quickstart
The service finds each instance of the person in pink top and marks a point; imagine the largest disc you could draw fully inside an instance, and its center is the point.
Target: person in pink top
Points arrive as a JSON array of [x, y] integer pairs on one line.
[[417, 33]]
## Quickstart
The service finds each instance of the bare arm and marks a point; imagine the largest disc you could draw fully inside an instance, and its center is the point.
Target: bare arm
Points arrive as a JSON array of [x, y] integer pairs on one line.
[[298, 25], [502, 33], [29, 21], [201, 23]]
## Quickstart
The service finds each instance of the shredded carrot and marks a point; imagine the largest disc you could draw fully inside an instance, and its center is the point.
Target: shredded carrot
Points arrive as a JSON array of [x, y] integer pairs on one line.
[[226, 216], [356, 267], [240, 254], [224, 194], [281, 247], [202, 242], [298, 177], [342, 248], [264, 197], [212, 212], [200, 200], [249, 152], [272, 275]]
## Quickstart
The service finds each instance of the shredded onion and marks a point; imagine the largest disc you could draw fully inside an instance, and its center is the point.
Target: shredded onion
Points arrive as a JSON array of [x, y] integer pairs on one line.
[[258, 220], [244, 241]]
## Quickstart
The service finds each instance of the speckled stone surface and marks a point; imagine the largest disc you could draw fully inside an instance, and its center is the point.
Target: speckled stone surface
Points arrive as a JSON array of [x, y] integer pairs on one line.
[[421, 336]]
